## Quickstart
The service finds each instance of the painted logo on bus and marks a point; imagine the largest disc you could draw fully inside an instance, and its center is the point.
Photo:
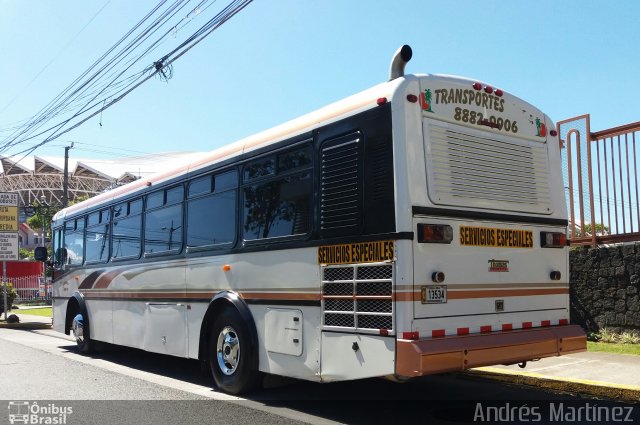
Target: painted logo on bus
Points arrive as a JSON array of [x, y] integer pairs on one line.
[[364, 252], [498, 265], [425, 100], [495, 238]]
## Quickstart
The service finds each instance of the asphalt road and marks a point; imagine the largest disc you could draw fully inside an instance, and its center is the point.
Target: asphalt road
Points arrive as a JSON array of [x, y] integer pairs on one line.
[[121, 386]]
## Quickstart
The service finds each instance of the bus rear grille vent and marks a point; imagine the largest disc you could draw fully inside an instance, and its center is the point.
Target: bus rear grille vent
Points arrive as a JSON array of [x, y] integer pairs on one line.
[[340, 186], [381, 174], [358, 298], [483, 170]]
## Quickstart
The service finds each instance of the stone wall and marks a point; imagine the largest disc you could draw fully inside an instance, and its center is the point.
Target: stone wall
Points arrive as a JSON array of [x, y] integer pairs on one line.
[[605, 287]]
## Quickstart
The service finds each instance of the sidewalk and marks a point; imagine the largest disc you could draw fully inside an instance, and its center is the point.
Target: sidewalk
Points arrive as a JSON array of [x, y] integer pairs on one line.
[[608, 375], [27, 321]]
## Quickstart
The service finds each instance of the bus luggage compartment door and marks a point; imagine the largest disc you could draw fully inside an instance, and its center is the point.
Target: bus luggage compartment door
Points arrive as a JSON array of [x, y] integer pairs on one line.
[[165, 329]]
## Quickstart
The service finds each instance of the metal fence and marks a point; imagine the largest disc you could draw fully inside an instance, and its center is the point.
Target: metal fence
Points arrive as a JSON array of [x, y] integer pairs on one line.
[[600, 172], [30, 288]]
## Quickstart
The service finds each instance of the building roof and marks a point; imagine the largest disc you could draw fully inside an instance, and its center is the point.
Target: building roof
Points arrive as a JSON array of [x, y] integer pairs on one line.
[[109, 169], [41, 178]]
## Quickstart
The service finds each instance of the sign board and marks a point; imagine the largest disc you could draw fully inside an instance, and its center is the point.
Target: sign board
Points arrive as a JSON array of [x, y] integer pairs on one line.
[[8, 226], [8, 246]]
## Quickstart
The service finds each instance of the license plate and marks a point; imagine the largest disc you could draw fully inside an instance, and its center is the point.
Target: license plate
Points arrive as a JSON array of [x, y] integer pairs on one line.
[[434, 294]]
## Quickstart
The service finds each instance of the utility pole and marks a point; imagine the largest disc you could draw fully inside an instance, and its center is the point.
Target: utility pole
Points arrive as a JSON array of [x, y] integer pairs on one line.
[[65, 184]]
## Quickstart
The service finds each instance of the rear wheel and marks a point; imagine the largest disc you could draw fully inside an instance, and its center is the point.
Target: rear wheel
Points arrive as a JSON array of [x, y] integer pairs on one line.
[[232, 356], [80, 330]]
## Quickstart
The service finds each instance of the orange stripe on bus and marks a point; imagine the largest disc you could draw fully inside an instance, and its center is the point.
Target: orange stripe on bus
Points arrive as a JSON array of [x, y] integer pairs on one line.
[[105, 280], [462, 295], [279, 296], [491, 293]]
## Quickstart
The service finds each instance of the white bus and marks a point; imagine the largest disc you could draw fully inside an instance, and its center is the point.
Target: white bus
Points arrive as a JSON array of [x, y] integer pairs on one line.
[[414, 228]]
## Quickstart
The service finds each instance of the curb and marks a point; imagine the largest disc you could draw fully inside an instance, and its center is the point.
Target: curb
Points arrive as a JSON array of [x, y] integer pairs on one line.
[[25, 326], [630, 393]]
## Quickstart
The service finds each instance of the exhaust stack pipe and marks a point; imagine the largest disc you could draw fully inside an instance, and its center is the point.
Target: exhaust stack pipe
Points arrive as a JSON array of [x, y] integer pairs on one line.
[[400, 59]]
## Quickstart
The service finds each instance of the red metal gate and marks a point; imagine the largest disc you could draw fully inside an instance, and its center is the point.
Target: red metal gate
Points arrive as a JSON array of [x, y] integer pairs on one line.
[[600, 172]]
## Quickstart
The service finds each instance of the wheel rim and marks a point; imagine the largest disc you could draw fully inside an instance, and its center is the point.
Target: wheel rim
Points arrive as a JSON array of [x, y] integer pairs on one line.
[[228, 350], [77, 327]]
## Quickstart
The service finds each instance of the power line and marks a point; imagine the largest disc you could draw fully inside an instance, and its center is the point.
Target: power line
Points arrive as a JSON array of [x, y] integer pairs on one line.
[[159, 67]]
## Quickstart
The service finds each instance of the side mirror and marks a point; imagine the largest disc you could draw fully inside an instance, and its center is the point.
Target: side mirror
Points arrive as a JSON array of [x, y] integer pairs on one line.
[[40, 253]]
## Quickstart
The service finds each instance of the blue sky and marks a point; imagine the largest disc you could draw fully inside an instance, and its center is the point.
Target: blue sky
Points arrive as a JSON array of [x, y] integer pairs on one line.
[[279, 59]]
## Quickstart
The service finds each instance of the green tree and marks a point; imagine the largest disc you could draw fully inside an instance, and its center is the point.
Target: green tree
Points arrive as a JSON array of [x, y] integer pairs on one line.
[[25, 254], [44, 214], [11, 295], [586, 230]]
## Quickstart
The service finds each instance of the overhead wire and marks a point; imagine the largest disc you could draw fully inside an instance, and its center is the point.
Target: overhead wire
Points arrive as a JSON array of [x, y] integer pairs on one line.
[[166, 61], [88, 105], [47, 108], [52, 106]]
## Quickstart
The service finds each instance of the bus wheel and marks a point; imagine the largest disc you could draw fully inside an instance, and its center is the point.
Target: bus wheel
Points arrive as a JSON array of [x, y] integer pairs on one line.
[[80, 330], [231, 353]]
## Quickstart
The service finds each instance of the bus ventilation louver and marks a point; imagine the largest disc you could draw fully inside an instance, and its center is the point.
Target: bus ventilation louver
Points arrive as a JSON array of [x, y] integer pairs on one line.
[[340, 187], [475, 169], [358, 298]]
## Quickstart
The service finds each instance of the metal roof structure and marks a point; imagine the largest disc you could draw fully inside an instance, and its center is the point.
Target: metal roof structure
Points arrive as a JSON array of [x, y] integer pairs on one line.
[[38, 176]]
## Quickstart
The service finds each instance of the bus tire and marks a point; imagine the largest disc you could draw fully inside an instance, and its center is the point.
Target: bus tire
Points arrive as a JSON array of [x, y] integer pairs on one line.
[[80, 331], [232, 358]]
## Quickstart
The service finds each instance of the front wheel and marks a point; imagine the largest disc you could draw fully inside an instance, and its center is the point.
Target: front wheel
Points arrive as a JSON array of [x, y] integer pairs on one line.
[[80, 330], [232, 356]]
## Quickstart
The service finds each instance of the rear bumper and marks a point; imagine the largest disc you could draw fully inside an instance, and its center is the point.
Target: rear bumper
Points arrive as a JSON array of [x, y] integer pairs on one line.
[[450, 354]]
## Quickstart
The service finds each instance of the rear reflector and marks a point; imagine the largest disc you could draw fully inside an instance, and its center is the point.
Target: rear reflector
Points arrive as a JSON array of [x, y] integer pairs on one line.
[[435, 233], [553, 240], [485, 329], [410, 335], [545, 323], [507, 326], [563, 322], [438, 333], [527, 325], [463, 331]]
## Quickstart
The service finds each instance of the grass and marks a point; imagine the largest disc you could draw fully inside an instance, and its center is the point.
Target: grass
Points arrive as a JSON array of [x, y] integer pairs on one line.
[[45, 312], [614, 348]]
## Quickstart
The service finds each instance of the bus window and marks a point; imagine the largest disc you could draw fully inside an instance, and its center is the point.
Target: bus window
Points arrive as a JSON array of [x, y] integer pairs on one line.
[[97, 237], [260, 168], [279, 206], [58, 257], [163, 222], [200, 186], [211, 217], [125, 242], [295, 159], [74, 241]]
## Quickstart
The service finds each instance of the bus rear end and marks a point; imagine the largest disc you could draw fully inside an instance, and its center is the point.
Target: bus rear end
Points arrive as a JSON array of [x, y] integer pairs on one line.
[[490, 261]]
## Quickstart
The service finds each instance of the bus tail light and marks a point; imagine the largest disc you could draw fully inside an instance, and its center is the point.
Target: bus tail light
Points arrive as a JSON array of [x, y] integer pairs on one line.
[[435, 233], [553, 240]]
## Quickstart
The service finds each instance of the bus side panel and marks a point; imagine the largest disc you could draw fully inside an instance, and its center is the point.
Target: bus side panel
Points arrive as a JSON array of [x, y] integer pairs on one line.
[[128, 323], [303, 366], [59, 314], [100, 319], [404, 287], [356, 356], [267, 280], [195, 316]]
